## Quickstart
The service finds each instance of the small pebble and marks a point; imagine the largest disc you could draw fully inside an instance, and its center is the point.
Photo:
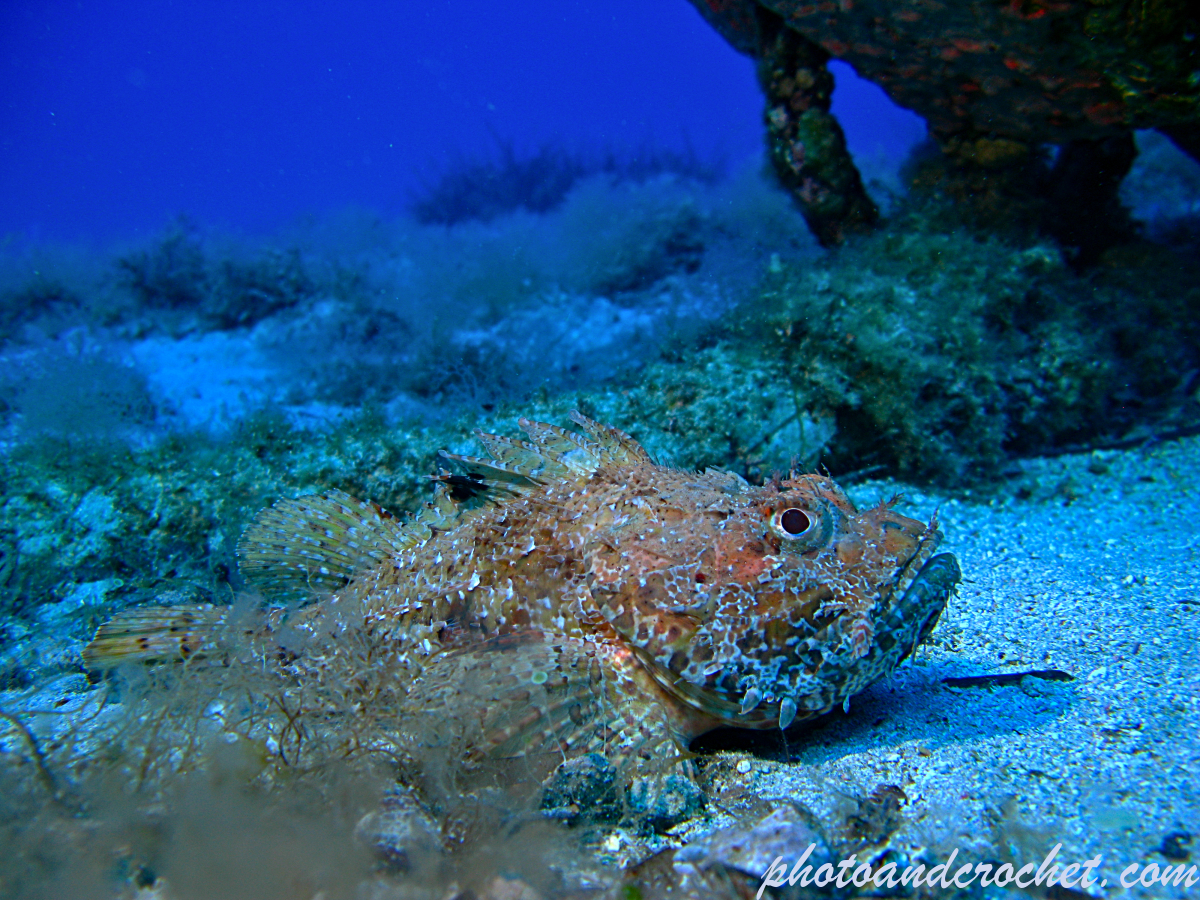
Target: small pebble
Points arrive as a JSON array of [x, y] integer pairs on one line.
[[743, 767]]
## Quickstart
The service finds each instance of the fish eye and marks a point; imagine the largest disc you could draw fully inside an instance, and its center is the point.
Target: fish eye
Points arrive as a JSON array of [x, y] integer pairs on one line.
[[793, 522], [803, 529]]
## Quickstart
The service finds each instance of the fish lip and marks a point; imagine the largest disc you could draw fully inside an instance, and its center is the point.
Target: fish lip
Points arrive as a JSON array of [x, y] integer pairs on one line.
[[909, 570], [940, 573], [941, 569]]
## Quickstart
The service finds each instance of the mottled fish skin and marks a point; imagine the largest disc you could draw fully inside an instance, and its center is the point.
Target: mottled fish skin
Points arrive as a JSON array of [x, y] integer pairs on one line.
[[592, 599]]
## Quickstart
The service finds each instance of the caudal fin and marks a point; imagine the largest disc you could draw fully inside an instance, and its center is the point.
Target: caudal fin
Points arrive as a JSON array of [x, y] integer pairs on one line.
[[155, 633]]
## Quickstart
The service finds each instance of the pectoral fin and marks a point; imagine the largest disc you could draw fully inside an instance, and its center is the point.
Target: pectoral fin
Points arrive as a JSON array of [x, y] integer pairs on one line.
[[524, 694]]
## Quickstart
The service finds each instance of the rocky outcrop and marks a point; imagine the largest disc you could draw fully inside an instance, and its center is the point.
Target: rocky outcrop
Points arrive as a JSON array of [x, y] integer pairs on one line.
[[995, 81]]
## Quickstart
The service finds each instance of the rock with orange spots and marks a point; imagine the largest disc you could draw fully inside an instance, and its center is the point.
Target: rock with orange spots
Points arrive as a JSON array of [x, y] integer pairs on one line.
[[994, 80], [566, 596]]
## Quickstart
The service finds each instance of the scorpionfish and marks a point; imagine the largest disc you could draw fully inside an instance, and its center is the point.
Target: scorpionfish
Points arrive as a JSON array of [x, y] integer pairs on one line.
[[586, 598]]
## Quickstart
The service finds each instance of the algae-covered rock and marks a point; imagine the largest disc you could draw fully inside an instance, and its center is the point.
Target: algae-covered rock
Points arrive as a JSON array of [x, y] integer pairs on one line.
[[942, 355], [994, 81], [661, 803], [741, 860], [585, 787]]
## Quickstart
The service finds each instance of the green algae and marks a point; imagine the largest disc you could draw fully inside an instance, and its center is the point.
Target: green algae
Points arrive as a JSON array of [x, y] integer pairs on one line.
[[76, 510], [180, 275]]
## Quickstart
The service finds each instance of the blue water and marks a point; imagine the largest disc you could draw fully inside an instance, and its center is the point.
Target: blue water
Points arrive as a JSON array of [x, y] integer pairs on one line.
[[117, 117]]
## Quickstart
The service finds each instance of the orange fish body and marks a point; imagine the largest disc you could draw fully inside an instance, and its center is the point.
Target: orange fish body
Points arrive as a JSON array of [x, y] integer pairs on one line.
[[584, 597]]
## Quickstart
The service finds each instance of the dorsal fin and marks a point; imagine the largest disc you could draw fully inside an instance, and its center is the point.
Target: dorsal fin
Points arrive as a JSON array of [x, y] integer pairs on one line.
[[521, 456], [319, 543], [492, 473], [517, 467], [441, 514], [619, 448], [572, 450]]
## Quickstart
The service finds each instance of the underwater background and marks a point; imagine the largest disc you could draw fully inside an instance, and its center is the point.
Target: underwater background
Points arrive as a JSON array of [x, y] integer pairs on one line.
[[254, 251]]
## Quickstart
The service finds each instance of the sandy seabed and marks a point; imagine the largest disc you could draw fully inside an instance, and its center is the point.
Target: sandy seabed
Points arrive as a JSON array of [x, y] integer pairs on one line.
[[1087, 565], [1083, 569]]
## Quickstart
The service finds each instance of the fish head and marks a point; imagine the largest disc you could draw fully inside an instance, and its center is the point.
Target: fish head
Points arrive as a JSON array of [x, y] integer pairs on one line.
[[759, 606]]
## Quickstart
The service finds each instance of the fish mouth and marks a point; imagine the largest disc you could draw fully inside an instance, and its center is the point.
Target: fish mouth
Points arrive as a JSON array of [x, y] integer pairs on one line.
[[935, 580], [909, 570], [920, 589], [909, 607], [927, 593]]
